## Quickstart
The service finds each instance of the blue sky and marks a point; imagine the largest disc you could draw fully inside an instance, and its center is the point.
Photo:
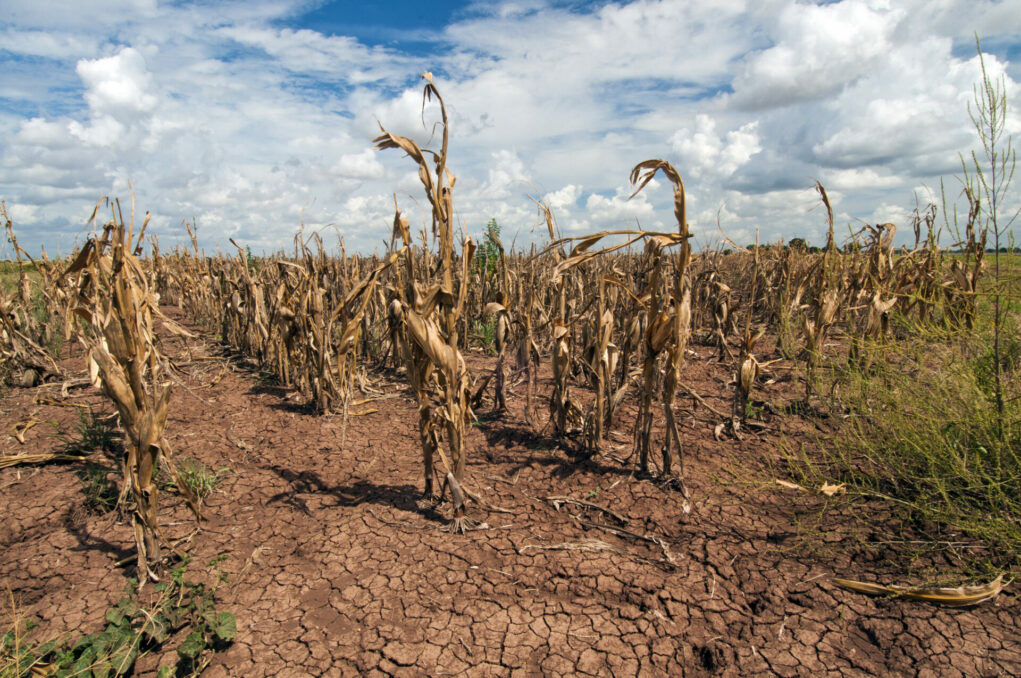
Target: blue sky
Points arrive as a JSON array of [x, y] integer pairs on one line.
[[256, 117], [411, 27]]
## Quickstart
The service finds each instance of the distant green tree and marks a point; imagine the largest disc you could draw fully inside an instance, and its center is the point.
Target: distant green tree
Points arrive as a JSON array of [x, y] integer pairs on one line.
[[797, 244]]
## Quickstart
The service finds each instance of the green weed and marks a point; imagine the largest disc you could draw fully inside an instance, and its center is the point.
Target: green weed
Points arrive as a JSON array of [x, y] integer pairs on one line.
[[100, 491], [485, 332], [132, 629], [196, 476], [94, 433], [923, 431]]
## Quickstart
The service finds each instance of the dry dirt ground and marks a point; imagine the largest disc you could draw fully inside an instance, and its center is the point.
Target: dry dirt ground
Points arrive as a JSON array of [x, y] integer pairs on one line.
[[337, 566]]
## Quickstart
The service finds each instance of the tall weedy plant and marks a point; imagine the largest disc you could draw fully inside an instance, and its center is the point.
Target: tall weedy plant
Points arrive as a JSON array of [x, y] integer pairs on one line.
[[991, 177]]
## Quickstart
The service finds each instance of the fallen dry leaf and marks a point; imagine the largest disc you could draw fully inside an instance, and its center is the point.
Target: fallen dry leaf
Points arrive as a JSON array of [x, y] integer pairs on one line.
[[830, 490], [962, 596], [791, 486], [15, 460], [827, 489]]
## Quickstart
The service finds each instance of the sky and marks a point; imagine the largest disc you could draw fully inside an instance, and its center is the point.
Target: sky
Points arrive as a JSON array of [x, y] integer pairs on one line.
[[255, 118]]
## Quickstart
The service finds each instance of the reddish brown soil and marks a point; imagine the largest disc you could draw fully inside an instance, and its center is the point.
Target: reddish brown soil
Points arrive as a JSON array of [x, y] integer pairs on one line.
[[337, 565]]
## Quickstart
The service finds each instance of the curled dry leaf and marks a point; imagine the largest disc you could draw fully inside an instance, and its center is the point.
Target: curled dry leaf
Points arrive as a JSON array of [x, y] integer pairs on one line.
[[21, 427]]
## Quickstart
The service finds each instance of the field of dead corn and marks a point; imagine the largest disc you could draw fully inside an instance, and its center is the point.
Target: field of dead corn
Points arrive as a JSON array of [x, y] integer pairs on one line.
[[606, 455]]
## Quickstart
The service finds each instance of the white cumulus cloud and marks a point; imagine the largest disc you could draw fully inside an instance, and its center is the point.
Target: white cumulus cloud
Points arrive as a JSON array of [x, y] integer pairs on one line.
[[119, 86], [702, 151]]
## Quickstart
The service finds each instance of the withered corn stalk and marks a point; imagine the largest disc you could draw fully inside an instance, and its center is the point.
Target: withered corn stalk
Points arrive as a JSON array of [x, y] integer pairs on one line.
[[670, 327], [24, 360], [528, 351], [117, 304], [747, 365], [722, 306], [326, 328], [564, 411], [961, 287], [657, 334], [822, 312], [602, 354], [428, 319], [872, 288], [789, 282]]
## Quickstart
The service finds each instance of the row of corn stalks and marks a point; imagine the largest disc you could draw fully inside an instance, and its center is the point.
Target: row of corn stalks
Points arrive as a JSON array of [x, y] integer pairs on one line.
[[613, 314]]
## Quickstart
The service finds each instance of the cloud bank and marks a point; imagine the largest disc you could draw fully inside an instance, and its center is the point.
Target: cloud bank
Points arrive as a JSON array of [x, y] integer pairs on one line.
[[241, 118]]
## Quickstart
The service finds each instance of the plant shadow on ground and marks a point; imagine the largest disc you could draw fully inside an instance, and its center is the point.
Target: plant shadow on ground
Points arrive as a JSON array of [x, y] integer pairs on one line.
[[93, 432], [263, 381], [283, 404], [402, 497], [90, 541], [520, 445], [100, 491]]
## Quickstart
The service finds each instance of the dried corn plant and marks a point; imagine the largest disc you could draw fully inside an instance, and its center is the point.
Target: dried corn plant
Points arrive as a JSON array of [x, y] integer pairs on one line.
[[244, 321], [825, 281], [622, 303], [428, 318], [599, 354], [788, 283], [960, 286], [302, 319], [657, 335], [565, 413], [720, 302], [747, 365], [669, 328], [325, 327], [23, 360], [192, 282], [919, 278], [117, 305], [602, 357], [871, 290], [26, 358], [417, 362], [349, 317], [527, 354]]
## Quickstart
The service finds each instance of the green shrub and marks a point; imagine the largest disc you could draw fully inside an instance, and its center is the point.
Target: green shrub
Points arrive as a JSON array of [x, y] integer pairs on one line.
[[131, 630]]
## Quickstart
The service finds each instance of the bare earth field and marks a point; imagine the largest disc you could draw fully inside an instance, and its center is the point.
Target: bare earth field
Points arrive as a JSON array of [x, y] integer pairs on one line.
[[337, 566]]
